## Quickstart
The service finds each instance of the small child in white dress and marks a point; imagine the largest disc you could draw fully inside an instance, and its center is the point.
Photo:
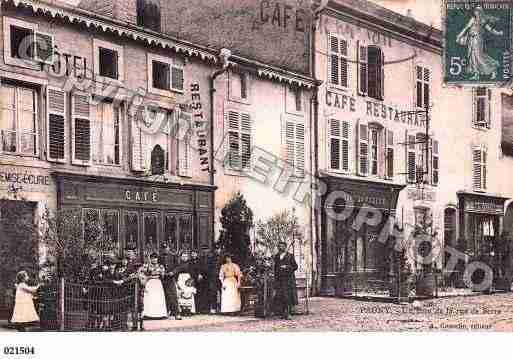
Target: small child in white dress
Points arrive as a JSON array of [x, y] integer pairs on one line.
[[186, 293], [24, 311]]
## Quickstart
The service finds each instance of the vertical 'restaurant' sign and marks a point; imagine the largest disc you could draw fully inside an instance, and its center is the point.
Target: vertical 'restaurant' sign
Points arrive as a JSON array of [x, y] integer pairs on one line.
[[200, 127]]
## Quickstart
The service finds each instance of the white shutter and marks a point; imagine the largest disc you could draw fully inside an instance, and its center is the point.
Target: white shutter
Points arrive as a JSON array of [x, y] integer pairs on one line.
[[477, 169], [335, 143], [81, 127], [56, 124], [435, 163], [246, 140], [363, 78], [363, 149], [489, 109], [333, 63], [184, 144], [232, 140], [177, 78], [345, 134], [411, 158], [300, 150], [290, 141]]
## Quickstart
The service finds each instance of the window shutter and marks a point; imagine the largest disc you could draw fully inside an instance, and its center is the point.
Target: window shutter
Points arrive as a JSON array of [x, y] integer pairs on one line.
[[389, 154], [335, 143], [435, 163], [246, 140], [345, 145], [374, 71], [177, 78], [334, 62], [489, 109], [344, 71], [232, 158], [363, 150], [56, 122], [290, 141], [481, 100], [411, 158], [427, 79], [184, 144], [477, 163], [420, 89], [82, 136], [362, 69], [44, 48], [483, 169], [300, 150]]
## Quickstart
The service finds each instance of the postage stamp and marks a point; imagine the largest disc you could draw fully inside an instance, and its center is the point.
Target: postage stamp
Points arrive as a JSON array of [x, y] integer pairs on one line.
[[477, 49]]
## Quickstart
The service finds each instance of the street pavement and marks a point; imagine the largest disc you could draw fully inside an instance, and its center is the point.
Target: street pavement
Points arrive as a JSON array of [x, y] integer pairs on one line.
[[482, 313], [477, 313]]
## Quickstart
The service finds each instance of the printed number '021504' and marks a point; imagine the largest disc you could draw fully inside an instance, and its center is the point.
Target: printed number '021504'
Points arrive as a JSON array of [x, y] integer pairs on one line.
[[18, 350]]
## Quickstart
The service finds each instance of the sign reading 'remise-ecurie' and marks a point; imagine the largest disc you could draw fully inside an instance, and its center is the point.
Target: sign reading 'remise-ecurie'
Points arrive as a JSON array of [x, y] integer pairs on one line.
[[478, 46]]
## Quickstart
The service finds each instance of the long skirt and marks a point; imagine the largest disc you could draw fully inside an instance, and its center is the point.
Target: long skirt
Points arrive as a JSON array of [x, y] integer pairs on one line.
[[154, 300], [24, 312], [230, 296]]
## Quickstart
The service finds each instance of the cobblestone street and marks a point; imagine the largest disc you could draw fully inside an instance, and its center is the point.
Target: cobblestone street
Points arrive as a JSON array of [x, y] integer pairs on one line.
[[477, 313]]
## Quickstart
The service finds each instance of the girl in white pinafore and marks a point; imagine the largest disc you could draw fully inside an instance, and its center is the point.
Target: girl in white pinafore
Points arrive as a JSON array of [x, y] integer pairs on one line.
[[24, 310]]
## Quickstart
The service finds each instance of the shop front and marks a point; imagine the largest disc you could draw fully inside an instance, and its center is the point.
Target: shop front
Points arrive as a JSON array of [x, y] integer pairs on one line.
[[481, 230], [355, 227], [141, 215]]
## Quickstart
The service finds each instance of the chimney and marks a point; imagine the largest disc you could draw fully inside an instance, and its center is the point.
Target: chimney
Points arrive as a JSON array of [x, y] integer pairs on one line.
[[409, 13], [122, 10]]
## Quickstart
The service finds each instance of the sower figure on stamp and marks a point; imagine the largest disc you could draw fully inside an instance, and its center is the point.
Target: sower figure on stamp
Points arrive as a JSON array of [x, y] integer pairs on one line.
[[285, 281]]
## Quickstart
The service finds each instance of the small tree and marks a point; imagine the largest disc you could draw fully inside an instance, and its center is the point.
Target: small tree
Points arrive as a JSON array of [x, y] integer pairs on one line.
[[236, 219], [281, 227], [73, 243]]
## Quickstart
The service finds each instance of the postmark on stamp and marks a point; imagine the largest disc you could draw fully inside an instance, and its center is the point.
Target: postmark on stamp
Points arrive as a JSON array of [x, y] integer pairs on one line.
[[478, 46]]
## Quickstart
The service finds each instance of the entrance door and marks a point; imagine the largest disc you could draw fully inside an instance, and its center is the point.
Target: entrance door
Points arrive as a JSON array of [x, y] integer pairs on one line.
[[18, 249]]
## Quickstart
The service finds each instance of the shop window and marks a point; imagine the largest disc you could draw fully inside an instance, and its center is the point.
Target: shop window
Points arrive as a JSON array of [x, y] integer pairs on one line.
[[165, 75], [131, 230], [239, 136], [482, 231], [294, 141], [371, 73], [423, 87], [111, 229], [149, 14], [186, 234], [482, 107], [92, 227], [19, 120], [151, 239], [339, 132], [107, 134], [25, 46], [108, 60], [171, 233], [479, 158], [338, 63]]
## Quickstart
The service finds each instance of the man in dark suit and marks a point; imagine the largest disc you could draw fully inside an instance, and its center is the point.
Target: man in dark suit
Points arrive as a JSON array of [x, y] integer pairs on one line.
[[285, 281], [169, 281]]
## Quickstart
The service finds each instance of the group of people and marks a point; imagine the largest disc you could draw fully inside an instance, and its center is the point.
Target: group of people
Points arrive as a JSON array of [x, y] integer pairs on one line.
[[168, 288]]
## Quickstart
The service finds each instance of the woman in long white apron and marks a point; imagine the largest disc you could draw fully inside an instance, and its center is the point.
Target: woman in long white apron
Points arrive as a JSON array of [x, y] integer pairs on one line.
[[230, 277], [154, 302]]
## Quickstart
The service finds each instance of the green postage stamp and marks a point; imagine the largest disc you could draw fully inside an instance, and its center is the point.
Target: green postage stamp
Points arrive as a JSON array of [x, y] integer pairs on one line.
[[478, 42]]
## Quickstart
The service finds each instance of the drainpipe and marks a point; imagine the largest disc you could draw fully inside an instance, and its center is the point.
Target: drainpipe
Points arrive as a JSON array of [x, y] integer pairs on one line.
[[224, 56]]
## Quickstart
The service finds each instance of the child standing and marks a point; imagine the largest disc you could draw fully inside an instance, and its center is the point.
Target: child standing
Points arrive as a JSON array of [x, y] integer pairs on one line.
[[186, 291], [24, 311]]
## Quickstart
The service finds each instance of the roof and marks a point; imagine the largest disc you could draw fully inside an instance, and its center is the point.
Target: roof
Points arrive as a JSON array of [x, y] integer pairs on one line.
[[379, 15]]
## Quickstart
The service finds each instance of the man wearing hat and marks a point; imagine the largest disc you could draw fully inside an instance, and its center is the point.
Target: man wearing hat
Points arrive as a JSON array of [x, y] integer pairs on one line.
[[285, 281]]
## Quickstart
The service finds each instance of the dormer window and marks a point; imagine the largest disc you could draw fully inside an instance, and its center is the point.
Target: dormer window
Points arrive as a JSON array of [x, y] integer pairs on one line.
[[148, 14]]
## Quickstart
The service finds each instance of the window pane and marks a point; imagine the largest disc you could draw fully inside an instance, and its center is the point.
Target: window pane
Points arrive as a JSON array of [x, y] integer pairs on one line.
[[108, 63], [28, 144], [108, 133], [132, 230], [22, 43], [161, 75], [177, 78], [150, 234], [27, 121], [170, 233]]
